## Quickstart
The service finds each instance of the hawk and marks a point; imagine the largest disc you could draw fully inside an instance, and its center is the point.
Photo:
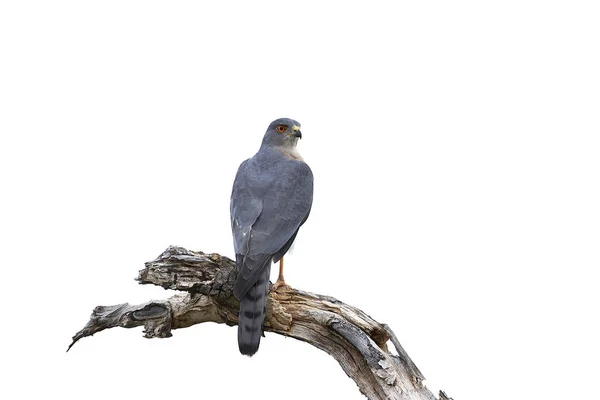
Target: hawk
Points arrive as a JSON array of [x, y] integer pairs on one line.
[[271, 199]]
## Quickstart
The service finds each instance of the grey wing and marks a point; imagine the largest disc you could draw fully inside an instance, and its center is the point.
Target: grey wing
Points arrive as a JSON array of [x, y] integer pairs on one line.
[[275, 212], [245, 207], [285, 208]]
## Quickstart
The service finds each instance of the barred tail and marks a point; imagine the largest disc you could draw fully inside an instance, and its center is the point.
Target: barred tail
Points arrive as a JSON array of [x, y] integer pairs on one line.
[[253, 307]]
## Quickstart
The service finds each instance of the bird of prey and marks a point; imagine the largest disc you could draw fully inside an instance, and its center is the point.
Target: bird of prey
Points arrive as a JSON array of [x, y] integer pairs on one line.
[[271, 199]]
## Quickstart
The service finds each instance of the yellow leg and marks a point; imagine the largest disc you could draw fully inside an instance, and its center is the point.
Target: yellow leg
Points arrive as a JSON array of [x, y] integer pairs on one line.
[[280, 281]]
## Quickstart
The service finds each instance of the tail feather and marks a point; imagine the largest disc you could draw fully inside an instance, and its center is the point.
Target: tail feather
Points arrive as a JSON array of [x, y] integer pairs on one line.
[[253, 307]]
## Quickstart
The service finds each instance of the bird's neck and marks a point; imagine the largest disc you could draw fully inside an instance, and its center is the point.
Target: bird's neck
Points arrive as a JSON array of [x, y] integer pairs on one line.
[[290, 152]]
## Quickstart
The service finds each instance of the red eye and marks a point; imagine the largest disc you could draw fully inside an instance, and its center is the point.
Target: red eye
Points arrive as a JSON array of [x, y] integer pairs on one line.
[[281, 128]]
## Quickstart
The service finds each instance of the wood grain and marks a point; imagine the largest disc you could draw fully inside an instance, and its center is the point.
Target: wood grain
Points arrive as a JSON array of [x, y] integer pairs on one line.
[[360, 344]]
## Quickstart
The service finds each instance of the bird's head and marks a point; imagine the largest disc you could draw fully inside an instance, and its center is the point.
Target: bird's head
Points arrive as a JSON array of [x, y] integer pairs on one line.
[[282, 132]]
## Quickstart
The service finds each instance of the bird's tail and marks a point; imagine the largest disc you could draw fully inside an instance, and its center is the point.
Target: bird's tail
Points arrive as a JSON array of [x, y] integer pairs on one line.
[[253, 307]]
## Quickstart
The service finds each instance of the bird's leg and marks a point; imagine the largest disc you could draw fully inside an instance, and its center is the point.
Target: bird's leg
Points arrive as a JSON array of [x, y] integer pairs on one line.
[[280, 281]]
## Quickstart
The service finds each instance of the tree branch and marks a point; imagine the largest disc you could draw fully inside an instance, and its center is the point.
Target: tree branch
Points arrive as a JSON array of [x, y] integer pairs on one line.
[[355, 340]]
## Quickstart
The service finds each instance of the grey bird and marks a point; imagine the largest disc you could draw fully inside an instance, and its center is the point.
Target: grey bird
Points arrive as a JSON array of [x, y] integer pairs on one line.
[[271, 198]]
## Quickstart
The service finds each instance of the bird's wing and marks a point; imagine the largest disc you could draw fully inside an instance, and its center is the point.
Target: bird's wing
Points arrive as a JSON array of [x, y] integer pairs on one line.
[[286, 206], [245, 206], [267, 208]]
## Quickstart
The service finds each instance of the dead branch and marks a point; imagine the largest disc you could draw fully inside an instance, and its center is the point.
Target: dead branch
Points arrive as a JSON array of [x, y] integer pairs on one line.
[[355, 340]]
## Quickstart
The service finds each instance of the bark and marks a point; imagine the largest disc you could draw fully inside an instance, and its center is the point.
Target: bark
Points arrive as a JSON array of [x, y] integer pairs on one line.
[[355, 340]]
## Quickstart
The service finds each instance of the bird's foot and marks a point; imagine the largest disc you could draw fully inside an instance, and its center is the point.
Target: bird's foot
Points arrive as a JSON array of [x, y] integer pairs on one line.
[[281, 284]]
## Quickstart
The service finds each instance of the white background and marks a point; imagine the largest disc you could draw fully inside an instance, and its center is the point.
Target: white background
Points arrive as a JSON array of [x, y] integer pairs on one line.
[[455, 148]]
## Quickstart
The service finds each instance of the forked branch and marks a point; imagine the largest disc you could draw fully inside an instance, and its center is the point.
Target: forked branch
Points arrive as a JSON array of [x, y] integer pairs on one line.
[[355, 340]]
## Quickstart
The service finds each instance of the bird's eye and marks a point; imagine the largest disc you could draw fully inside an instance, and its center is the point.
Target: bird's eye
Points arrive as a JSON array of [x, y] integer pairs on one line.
[[281, 128]]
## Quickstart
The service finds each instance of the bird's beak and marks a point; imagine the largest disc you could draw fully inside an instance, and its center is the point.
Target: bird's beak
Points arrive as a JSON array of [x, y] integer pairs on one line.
[[296, 132]]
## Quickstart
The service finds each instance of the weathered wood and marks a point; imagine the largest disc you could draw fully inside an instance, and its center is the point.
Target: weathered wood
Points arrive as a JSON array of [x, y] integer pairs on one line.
[[355, 340], [444, 396]]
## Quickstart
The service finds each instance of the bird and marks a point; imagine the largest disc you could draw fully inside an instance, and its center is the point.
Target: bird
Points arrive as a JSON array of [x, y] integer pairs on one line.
[[271, 199]]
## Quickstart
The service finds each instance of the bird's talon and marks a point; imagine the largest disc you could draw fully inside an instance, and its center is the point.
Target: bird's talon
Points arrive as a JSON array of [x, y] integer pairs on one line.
[[281, 284]]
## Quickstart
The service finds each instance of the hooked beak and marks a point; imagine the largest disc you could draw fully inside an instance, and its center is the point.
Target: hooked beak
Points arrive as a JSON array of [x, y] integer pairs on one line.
[[296, 132]]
